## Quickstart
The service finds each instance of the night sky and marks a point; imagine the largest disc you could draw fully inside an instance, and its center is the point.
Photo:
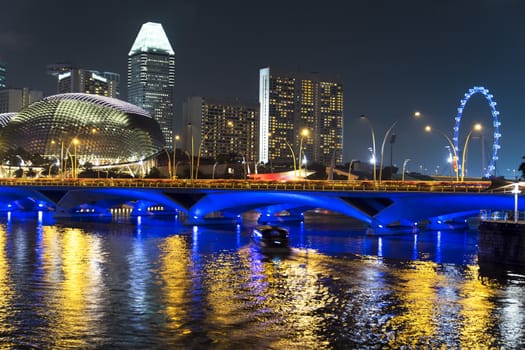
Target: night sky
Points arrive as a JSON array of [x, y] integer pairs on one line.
[[393, 57]]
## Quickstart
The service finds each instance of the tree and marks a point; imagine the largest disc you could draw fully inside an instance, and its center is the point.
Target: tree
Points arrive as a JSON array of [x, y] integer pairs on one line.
[[522, 169]]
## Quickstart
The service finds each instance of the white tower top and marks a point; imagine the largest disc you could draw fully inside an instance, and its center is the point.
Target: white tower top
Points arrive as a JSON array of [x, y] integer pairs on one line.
[[151, 38]]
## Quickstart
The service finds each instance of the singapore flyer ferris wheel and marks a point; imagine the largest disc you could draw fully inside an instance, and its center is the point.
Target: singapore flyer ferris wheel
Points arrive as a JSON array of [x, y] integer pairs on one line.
[[490, 170]]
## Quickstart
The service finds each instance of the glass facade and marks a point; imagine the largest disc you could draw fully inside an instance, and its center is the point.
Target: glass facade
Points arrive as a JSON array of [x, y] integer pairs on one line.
[[151, 76], [109, 131]]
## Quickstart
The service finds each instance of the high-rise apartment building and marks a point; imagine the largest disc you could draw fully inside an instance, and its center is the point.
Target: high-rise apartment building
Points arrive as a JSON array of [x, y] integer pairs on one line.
[[14, 100], [220, 128], [3, 73], [151, 76], [300, 109]]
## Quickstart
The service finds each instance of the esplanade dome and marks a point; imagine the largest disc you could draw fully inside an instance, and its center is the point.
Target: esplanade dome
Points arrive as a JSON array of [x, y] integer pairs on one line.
[[103, 130]]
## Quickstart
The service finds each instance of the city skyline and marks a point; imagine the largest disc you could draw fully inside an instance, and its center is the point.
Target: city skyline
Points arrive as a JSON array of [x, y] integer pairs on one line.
[[393, 59]]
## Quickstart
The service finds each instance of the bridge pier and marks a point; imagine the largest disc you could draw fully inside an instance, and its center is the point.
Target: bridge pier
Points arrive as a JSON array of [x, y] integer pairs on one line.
[[215, 219], [279, 217], [82, 211]]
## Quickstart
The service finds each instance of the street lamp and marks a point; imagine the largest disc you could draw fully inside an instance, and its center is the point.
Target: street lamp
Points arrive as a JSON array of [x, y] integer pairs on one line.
[[476, 127], [169, 162], [75, 143], [363, 117], [175, 139], [428, 128], [383, 148], [516, 191], [404, 168], [304, 133], [293, 159], [229, 124]]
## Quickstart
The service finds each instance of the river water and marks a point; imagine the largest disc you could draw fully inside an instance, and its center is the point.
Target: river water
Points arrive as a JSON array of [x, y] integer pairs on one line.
[[156, 284]]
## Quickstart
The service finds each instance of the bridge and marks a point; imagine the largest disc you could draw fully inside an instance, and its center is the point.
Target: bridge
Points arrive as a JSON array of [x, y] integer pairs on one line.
[[383, 205]]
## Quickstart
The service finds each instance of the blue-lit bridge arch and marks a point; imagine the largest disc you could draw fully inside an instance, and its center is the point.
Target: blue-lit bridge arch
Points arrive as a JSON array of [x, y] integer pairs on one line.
[[391, 203]]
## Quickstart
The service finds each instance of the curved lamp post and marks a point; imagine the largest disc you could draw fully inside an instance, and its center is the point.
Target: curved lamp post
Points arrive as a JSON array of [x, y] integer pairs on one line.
[[404, 168], [175, 139], [428, 128], [363, 117], [73, 158], [293, 158], [169, 162], [229, 124], [476, 127], [304, 133], [383, 148]]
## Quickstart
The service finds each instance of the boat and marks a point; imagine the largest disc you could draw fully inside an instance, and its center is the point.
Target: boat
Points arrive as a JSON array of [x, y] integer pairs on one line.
[[271, 237]]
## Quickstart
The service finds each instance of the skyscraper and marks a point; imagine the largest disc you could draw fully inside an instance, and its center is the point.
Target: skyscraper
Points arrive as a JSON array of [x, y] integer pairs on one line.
[[300, 109], [3, 71], [151, 76]]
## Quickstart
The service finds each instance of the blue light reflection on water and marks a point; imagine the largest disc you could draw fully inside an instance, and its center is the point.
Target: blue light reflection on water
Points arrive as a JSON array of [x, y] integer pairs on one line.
[[156, 283]]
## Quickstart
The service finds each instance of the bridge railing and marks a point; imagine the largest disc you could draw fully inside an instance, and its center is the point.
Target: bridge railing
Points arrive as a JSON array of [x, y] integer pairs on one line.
[[306, 185]]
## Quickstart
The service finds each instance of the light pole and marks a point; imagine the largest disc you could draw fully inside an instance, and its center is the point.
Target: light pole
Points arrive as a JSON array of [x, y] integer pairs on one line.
[[191, 146], [229, 124], [428, 128], [383, 149], [476, 127], [304, 133], [175, 139], [363, 117], [293, 158], [75, 142], [404, 168], [516, 191], [169, 162]]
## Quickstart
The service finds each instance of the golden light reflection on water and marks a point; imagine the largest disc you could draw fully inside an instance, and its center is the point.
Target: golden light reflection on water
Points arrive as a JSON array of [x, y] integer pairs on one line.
[[6, 286], [175, 262], [477, 312], [276, 302], [418, 297], [429, 308], [72, 264]]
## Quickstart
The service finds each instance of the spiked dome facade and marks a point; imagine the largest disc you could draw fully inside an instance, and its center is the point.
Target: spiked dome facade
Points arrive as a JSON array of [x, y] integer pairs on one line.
[[109, 131]]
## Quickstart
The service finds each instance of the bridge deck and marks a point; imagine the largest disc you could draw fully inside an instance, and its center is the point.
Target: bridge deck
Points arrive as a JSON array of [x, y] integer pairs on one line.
[[308, 185]]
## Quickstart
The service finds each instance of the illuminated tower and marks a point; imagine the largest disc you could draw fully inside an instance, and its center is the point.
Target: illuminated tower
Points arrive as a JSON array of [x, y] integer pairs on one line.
[[293, 102], [151, 76]]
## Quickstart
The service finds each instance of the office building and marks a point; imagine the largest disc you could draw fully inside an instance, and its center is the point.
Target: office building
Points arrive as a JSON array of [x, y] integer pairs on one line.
[[300, 109], [76, 80], [3, 74], [220, 128], [15, 100], [151, 76]]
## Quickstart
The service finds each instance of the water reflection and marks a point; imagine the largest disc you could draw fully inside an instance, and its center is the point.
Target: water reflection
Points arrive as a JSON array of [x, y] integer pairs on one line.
[[72, 263], [158, 284], [6, 289]]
